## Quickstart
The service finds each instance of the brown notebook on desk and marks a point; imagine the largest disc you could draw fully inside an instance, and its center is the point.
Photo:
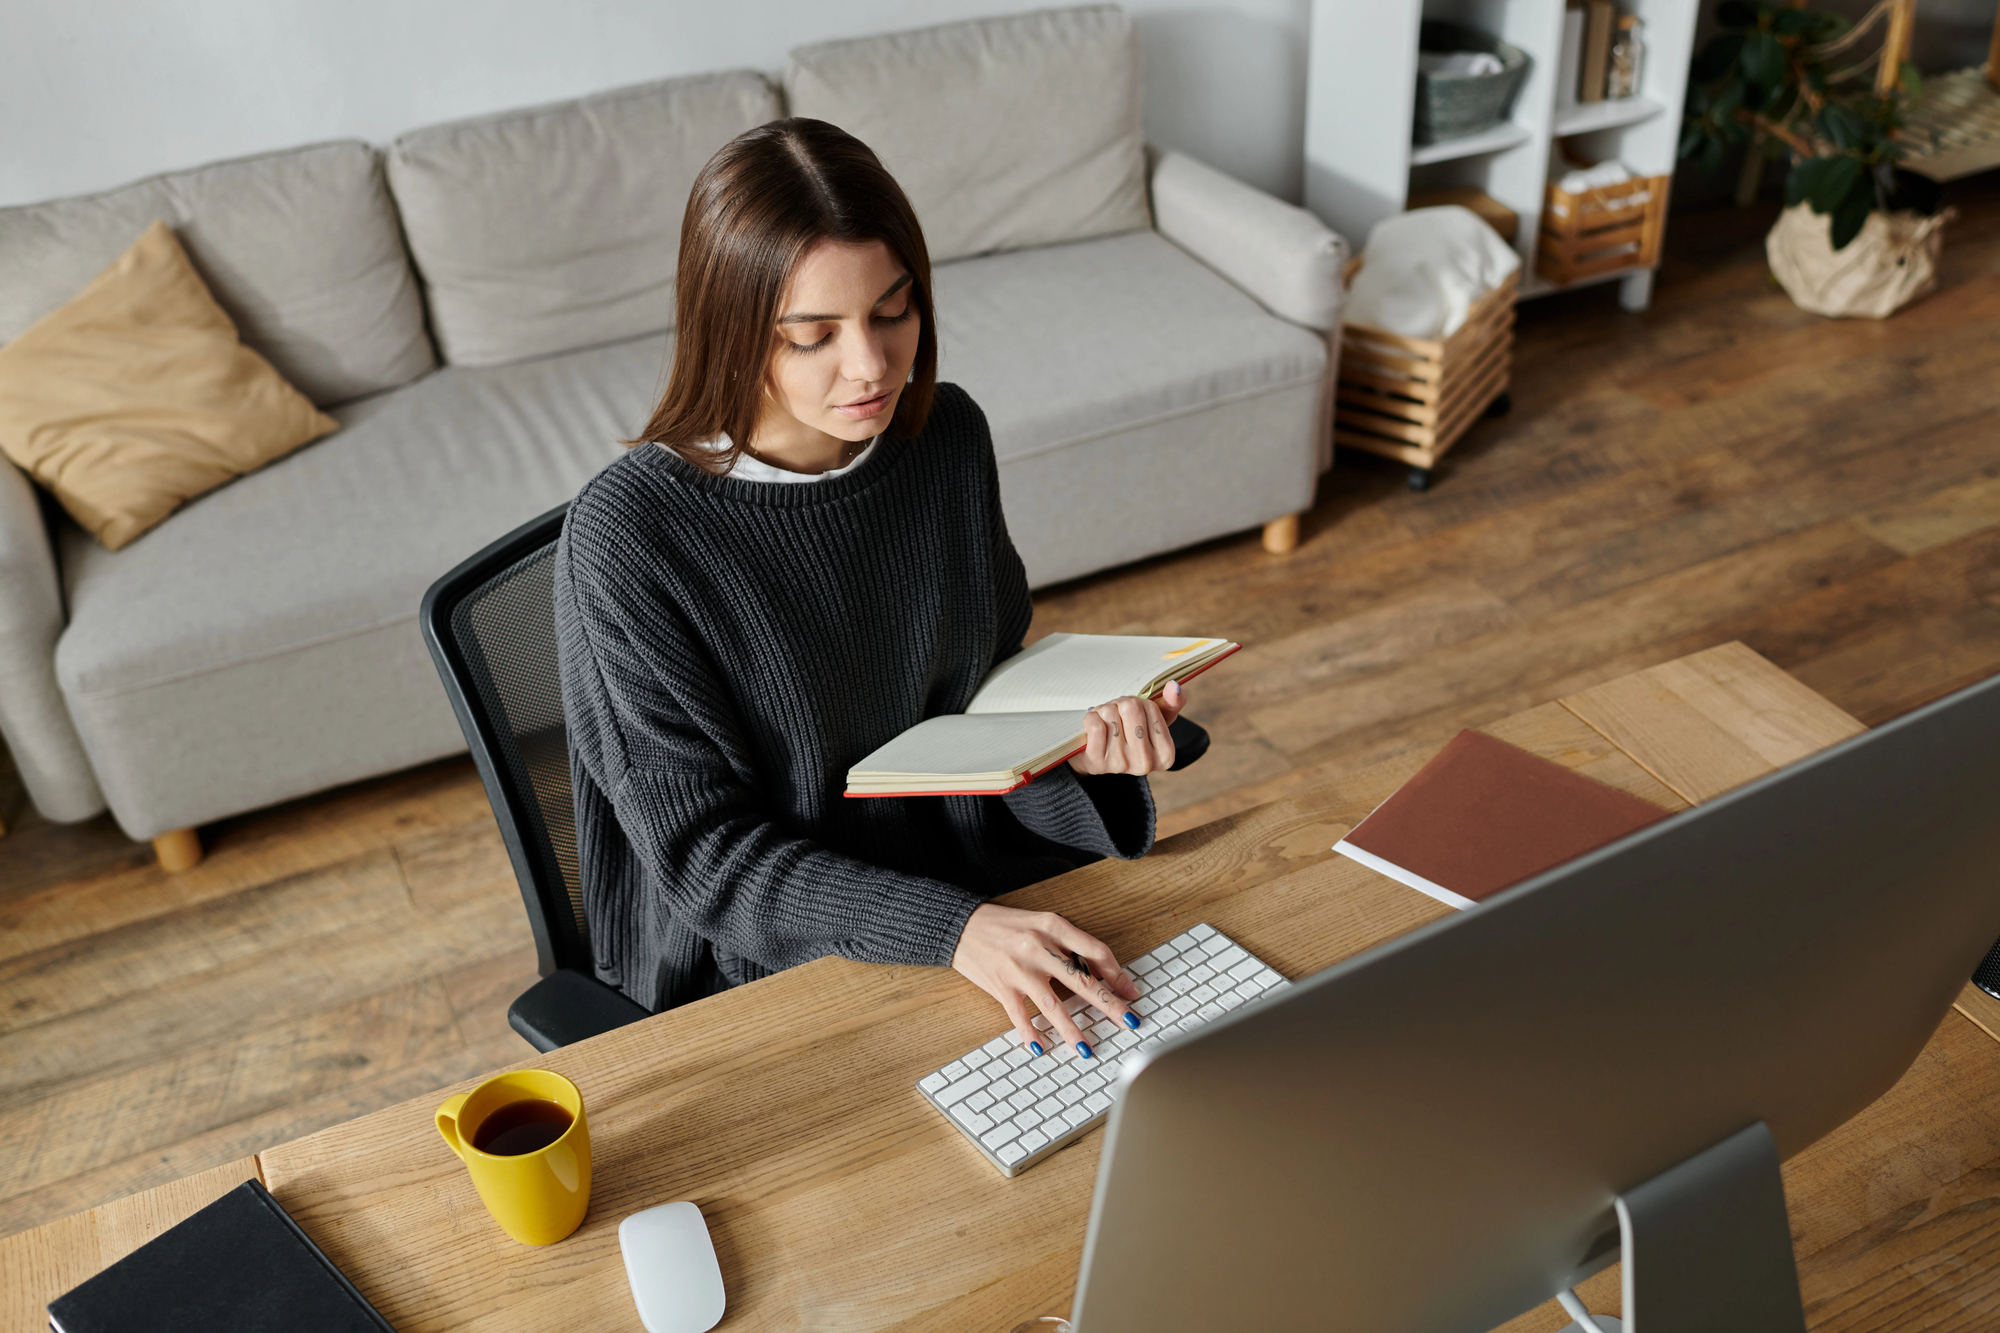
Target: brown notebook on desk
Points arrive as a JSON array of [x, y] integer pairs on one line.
[[1483, 816]]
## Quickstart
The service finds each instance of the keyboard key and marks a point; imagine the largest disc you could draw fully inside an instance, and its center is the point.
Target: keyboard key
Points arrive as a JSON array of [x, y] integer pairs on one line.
[[1070, 1095], [1078, 1115], [1000, 1134], [932, 1082], [953, 1071], [1204, 993], [976, 1059], [965, 1087], [972, 1120], [1202, 973], [1011, 1153], [1097, 1101], [1041, 1087], [1033, 1139], [1004, 1044], [1246, 969], [978, 1101], [1202, 932]]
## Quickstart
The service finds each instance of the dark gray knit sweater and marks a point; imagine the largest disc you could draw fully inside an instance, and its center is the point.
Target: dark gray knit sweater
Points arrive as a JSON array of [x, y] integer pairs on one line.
[[730, 648]]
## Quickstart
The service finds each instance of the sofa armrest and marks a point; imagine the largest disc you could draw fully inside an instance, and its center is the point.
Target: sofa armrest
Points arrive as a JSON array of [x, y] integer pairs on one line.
[[33, 717], [1280, 254]]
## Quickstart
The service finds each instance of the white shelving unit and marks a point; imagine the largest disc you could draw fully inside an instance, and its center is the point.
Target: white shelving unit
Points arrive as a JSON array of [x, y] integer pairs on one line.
[[1361, 87]]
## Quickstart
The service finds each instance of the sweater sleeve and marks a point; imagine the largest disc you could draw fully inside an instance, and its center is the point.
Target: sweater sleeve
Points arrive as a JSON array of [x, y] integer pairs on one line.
[[1108, 814], [651, 725]]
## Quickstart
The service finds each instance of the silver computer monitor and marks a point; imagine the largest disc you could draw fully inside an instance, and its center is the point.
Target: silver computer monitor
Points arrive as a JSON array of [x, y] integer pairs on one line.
[[1430, 1137]]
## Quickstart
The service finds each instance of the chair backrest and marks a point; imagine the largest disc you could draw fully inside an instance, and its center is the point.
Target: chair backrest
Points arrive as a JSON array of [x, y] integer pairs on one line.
[[490, 625]]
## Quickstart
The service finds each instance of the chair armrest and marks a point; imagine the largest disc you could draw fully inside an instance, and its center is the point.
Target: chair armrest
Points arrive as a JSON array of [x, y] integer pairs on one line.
[[566, 1006], [1280, 254], [33, 717]]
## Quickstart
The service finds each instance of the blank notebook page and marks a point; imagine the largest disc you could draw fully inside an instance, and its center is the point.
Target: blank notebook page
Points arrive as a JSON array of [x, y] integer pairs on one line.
[[971, 746], [1072, 672]]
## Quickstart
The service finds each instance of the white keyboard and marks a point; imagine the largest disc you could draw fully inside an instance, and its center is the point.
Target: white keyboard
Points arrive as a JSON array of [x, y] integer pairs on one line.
[[1017, 1107]]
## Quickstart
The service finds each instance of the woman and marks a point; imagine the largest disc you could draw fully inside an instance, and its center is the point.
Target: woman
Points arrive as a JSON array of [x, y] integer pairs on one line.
[[803, 556]]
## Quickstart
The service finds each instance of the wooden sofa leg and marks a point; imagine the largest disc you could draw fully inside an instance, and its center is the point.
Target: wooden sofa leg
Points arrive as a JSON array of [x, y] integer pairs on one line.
[[1281, 534], [178, 849]]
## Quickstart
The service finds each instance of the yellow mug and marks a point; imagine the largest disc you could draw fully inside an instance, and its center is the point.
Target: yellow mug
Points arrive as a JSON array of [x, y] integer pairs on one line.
[[537, 1197]]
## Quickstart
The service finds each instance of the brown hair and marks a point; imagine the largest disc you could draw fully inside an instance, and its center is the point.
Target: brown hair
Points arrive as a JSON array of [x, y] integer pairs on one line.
[[762, 202]]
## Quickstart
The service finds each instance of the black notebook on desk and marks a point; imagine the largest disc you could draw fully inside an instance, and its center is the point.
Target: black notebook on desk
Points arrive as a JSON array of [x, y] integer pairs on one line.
[[240, 1264]]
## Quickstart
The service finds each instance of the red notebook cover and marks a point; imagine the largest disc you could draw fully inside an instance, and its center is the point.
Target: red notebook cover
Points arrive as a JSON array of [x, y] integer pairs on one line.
[[1485, 815]]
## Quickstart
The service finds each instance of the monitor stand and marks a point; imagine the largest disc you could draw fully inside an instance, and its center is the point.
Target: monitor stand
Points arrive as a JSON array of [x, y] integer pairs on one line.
[[1707, 1246]]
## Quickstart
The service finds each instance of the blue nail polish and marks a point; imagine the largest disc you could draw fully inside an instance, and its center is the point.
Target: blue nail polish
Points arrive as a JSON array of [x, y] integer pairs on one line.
[[1131, 1020], [1083, 1049], [1035, 1046]]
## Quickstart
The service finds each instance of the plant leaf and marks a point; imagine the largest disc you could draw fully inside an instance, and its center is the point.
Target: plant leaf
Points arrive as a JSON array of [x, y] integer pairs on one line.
[[1841, 126], [1763, 59], [1912, 81], [1852, 215], [1799, 180], [1834, 181], [1791, 22], [1692, 137]]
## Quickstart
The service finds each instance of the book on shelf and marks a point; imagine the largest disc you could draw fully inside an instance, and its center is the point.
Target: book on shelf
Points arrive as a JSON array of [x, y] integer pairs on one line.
[[1600, 18], [1027, 715], [1484, 816], [1569, 69]]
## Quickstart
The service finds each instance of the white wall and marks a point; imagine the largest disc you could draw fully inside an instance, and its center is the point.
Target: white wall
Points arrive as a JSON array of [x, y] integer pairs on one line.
[[94, 93]]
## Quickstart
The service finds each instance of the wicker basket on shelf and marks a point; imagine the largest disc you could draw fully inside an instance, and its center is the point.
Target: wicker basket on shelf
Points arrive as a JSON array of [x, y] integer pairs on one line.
[[1607, 230], [1411, 399]]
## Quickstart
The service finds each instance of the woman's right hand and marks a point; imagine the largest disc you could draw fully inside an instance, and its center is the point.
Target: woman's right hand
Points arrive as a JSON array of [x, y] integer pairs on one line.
[[1017, 957]]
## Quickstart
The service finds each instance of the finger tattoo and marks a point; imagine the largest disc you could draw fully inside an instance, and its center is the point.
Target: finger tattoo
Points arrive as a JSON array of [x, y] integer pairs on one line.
[[1073, 964]]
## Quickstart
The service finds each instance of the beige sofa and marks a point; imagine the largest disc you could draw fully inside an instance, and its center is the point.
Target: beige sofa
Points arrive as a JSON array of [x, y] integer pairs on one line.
[[486, 308]]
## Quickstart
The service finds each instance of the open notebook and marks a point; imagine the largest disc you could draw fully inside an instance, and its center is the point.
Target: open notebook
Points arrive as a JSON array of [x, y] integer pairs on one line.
[[1028, 714]]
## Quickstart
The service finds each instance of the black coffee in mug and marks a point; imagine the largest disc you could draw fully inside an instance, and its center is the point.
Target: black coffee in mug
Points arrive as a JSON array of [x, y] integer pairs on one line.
[[522, 1127]]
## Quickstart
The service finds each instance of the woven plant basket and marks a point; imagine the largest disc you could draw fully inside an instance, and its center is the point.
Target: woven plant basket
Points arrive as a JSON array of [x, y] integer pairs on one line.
[[1890, 264]]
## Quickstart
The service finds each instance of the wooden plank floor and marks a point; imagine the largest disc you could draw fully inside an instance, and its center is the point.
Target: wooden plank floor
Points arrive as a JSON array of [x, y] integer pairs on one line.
[[1724, 467]]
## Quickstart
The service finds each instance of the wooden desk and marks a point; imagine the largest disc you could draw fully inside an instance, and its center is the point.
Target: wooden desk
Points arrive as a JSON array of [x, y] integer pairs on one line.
[[839, 1200]]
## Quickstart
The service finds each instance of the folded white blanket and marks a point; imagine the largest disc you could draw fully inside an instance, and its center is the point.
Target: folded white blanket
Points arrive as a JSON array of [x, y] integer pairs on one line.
[[1594, 178], [1423, 270]]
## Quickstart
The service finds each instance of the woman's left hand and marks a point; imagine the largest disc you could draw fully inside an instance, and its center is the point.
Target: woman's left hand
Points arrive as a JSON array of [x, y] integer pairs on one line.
[[1130, 735]]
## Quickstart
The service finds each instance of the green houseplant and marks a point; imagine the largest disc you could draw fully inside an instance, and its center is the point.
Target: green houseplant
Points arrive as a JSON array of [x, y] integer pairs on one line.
[[1783, 80], [1858, 236]]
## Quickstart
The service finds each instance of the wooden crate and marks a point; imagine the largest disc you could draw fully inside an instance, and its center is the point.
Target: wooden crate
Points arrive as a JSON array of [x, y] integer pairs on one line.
[[1411, 399], [1596, 232]]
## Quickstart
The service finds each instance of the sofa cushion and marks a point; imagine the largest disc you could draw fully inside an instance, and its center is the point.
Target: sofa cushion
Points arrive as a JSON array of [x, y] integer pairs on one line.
[[300, 247], [204, 682], [558, 227], [1122, 368], [1004, 132], [137, 394]]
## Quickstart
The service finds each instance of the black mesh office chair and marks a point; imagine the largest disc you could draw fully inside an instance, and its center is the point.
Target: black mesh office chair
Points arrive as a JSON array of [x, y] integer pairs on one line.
[[490, 626]]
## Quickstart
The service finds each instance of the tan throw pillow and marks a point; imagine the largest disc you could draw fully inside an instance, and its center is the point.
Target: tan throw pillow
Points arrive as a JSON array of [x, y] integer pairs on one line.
[[137, 395]]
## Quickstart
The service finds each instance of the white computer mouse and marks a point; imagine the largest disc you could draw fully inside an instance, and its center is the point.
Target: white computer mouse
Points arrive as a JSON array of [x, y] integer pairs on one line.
[[670, 1262]]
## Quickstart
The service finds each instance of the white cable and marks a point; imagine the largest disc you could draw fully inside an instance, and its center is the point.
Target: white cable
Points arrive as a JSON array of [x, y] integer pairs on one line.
[[1576, 1310]]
